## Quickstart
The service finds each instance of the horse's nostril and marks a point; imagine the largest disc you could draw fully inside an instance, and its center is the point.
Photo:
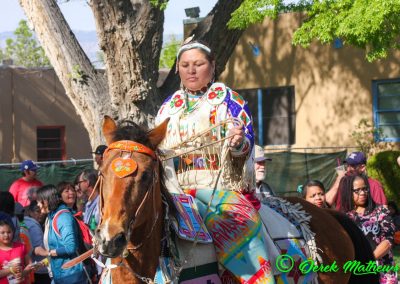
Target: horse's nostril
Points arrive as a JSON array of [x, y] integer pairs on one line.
[[120, 240]]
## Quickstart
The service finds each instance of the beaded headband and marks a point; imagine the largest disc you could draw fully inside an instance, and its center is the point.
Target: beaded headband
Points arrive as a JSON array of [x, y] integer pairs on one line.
[[191, 46]]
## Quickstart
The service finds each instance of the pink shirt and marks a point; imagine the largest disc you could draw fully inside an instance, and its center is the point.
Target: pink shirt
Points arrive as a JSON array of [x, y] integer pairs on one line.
[[19, 190], [376, 191], [17, 252]]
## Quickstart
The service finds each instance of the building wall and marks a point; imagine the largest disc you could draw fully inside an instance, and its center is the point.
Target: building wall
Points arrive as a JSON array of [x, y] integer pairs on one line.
[[332, 86], [35, 97]]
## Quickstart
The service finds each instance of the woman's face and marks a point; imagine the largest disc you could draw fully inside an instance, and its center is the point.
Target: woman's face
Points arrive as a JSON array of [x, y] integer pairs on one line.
[[360, 193], [194, 69], [44, 206], [315, 195], [68, 195]]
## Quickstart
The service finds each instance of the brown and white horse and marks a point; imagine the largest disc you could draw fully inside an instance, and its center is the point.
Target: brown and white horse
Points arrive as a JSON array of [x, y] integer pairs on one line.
[[132, 212]]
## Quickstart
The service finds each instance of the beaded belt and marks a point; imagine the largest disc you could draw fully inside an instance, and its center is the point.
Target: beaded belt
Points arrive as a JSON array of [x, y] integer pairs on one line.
[[196, 162]]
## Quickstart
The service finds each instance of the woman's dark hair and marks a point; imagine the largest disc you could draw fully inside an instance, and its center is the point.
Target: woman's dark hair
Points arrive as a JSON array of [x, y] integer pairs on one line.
[[50, 194], [346, 193], [5, 223], [310, 183], [7, 203], [32, 208], [394, 206]]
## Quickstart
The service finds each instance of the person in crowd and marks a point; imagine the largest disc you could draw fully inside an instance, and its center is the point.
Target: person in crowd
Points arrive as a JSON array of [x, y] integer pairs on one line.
[[314, 192], [68, 194], [19, 188], [33, 220], [356, 164], [395, 214], [199, 104], [15, 263], [98, 155], [373, 219], [61, 238], [260, 169], [7, 208], [31, 193], [86, 184]]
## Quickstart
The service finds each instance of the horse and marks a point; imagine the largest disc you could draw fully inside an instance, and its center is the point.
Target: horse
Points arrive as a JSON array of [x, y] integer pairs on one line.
[[132, 212]]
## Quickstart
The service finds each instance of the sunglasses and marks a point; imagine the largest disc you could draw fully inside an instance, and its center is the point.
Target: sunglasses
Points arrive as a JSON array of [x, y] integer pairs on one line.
[[358, 190]]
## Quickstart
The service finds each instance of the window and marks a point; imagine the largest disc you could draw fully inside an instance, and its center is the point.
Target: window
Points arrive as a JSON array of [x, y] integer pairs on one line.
[[50, 141], [274, 114], [386, 109]]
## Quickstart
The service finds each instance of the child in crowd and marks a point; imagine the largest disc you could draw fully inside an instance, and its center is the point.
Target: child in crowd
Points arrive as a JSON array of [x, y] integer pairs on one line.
[[15, 262], [314, 192]]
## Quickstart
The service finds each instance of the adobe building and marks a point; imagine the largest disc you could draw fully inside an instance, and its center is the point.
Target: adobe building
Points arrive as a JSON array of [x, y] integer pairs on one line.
[[38, 121], [311, 97]]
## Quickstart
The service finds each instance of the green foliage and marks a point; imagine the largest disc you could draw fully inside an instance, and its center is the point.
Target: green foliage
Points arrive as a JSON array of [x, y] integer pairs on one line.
[[168, 53], [383, 167], [24, 50], [367, 138], [373, 25], [162, 4], [254, 11], [364, 135], [78, 75]]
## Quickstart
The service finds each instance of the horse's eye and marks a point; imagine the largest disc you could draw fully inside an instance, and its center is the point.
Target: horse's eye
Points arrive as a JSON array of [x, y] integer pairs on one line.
[[146, 176]]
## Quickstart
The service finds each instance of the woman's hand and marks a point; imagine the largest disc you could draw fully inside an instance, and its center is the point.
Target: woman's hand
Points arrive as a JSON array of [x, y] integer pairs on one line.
[[238, 136]]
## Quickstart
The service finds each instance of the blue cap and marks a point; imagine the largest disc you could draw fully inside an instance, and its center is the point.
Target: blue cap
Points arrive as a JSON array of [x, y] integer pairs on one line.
[[28, 165], [356, 158]]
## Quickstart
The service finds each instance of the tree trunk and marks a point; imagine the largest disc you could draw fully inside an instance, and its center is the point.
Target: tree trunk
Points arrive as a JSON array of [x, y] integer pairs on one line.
[[83, 84], [130, 35]]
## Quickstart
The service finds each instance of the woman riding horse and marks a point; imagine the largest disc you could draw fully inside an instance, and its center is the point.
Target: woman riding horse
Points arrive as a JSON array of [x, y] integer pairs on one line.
[[219, 172]]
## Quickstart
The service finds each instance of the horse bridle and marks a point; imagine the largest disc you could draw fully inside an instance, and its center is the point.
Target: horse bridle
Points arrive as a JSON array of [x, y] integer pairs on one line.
[[127, 146]]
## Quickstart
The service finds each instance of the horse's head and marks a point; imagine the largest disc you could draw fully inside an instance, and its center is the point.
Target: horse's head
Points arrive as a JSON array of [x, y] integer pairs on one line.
[[130, 184]]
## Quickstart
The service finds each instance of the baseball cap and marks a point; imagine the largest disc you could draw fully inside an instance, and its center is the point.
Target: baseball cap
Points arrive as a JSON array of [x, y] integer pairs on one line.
[[28, 165], [100, 150], [259, 154], [356, 158]]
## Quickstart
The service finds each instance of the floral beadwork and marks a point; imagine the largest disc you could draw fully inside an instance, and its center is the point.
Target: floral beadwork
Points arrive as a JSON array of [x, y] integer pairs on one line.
[[176, 103], [216, 94]]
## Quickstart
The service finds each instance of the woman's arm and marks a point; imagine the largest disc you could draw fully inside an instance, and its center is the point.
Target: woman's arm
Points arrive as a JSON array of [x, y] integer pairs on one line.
[[40, 251], [387, 230], [7, 271], [69, 236], [382, 249]]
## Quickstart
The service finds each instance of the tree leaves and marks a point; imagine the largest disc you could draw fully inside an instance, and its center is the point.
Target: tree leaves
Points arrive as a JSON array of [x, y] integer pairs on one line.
[[373, 25], [24, 49]]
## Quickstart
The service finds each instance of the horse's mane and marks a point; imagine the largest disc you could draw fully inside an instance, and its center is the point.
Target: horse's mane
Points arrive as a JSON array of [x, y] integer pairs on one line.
[[129, 130]]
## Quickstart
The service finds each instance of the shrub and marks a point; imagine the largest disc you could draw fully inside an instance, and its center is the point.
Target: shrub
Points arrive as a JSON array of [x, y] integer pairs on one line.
[[383, 167]]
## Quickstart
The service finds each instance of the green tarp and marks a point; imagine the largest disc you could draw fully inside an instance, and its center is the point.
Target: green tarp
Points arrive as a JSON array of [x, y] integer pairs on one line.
[[48, 174], [288, 170], [285, 172]]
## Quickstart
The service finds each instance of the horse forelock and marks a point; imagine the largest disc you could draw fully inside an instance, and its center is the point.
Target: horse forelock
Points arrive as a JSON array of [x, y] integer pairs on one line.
[[128, 130]]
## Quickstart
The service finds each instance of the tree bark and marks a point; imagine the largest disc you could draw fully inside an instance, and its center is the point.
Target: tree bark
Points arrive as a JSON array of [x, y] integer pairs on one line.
[[130, 35], [86, 88]]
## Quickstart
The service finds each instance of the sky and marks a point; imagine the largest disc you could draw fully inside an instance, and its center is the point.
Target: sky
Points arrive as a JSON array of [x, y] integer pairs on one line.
[[80, 17]]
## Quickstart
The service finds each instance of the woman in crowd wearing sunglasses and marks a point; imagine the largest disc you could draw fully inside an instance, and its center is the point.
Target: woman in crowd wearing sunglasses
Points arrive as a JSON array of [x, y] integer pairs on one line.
[[374, 220]]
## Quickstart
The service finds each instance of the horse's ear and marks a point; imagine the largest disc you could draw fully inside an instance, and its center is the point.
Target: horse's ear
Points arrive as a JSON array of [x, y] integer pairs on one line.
[[109, 127], [157, 134]]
